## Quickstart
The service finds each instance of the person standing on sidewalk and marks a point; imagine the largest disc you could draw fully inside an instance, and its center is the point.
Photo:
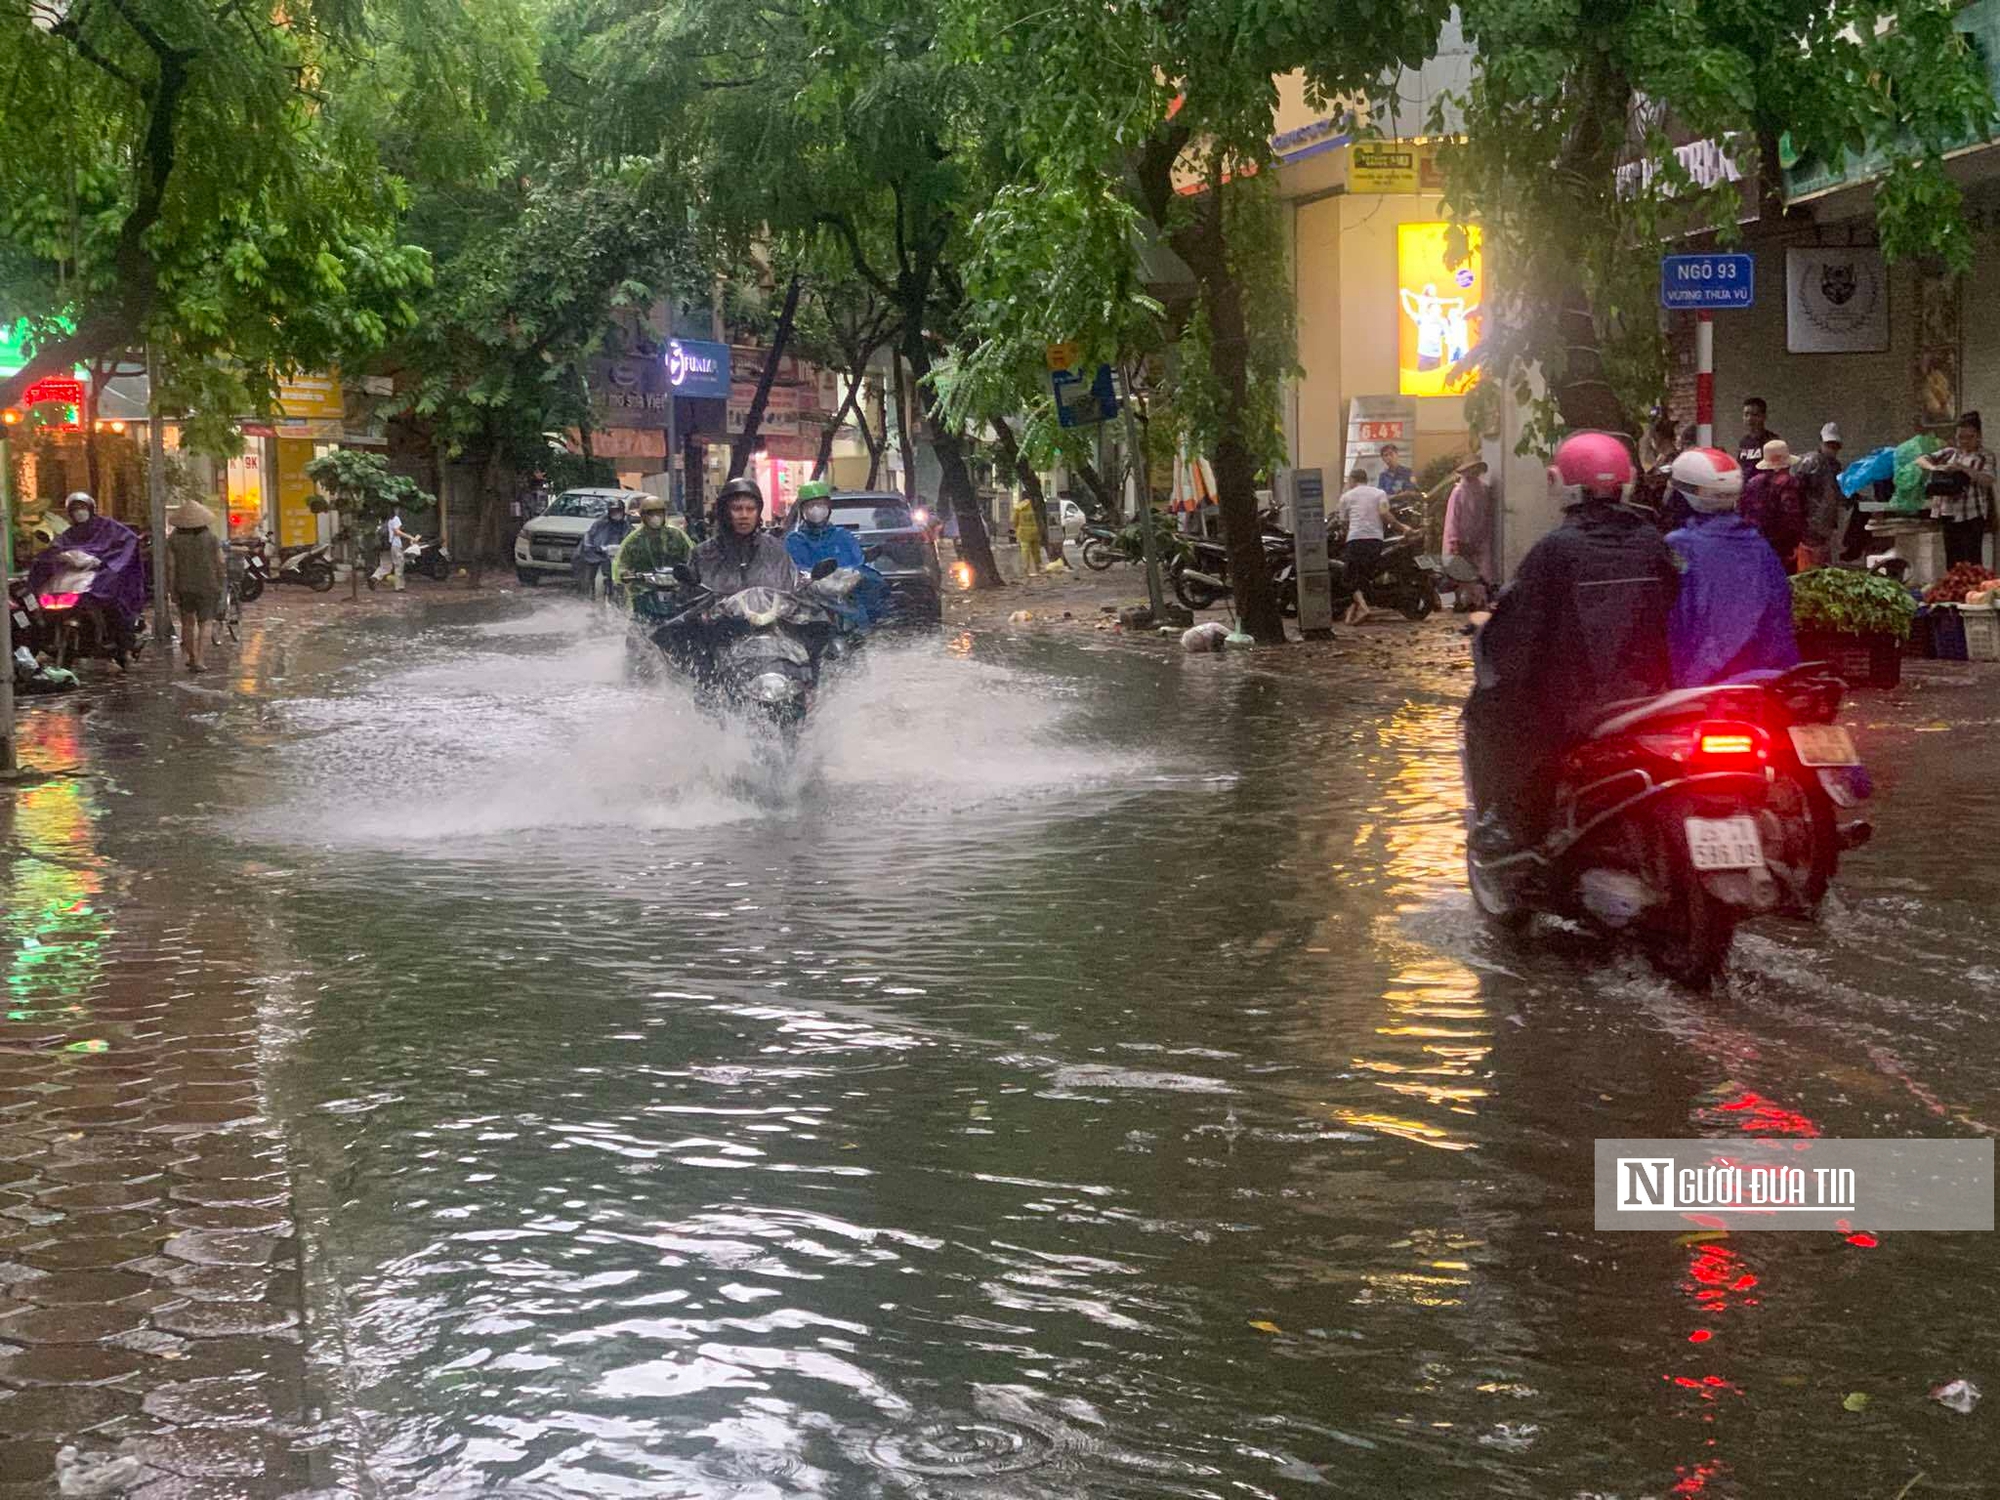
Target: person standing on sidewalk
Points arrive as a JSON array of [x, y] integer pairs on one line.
[[1959, 491], [1772, 503], [1825, 507], [194, 574], [1028, 532], [1468, 530], [1750, 451], [1365, 523]]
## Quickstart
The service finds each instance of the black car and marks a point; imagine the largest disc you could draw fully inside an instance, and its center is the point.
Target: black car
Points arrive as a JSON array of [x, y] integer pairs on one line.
[[897, 540]]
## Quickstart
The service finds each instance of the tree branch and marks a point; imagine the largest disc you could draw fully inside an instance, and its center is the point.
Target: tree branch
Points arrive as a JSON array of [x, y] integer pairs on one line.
[[840, 224]]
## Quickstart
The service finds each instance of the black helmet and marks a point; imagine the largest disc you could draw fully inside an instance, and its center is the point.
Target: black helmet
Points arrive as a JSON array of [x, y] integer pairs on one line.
[[735, 487], [615, 510]]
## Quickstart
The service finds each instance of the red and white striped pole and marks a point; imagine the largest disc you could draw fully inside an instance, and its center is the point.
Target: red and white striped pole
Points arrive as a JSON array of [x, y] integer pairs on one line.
[[1704, 379]]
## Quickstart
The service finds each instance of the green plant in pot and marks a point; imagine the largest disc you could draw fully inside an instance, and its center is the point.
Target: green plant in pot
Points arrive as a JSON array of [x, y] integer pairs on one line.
[[1845, 601]]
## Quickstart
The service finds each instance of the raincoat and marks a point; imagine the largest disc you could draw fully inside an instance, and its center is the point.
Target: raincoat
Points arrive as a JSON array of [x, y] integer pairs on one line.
[[1583, 625], [1734, 610], [809, 547], [119, 581], [1468, 523], [1774, 502], [603, 540], [647, 551], [728, 563]]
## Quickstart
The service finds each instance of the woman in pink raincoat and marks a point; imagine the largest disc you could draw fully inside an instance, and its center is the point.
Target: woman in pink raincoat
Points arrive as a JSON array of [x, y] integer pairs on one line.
[[1468, 529]]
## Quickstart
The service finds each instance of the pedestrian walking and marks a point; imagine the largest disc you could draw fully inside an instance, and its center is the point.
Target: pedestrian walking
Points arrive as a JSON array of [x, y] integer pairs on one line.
[[1958, 489], [1028, 532], [195, 574], [1825, 507], [1468, 530], [389, 564], [1750, 450], [1772, 503]]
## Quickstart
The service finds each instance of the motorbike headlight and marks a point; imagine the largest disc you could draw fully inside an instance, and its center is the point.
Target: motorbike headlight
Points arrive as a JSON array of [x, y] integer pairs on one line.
[[772, 687]]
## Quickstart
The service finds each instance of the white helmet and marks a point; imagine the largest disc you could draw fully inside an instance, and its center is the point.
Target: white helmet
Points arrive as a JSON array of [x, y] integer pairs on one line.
[[1708, 479]]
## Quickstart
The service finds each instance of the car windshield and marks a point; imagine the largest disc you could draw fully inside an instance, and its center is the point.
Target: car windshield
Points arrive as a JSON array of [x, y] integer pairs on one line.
[[873, 515], [579, 503]]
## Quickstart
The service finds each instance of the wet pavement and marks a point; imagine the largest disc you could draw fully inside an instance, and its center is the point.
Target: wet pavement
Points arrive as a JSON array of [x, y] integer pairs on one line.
[[433, 1067]]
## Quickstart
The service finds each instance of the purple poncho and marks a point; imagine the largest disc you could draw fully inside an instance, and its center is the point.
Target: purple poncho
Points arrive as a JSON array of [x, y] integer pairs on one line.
[[120, 581]]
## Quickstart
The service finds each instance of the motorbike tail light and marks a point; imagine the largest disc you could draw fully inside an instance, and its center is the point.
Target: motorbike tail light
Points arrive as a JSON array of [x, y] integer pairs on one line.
[[59, 601], [1726, 741]]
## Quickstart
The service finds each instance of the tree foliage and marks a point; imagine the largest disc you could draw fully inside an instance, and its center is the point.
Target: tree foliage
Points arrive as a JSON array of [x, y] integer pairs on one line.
[[210, 197], [1567, 160]]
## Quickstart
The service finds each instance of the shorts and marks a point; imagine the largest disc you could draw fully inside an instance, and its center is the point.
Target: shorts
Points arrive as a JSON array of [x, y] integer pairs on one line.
[[203, 605], [1360, 559]]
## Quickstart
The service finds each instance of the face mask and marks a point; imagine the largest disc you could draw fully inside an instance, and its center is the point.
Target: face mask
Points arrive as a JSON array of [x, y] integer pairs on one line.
[[654, 523], [818, 515], [78, 516]]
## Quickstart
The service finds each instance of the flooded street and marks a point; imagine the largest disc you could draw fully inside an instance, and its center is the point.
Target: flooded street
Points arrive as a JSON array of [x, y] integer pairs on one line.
[[1077, 1072]]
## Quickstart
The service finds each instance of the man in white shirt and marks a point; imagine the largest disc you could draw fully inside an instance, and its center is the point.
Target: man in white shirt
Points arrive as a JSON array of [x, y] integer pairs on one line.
[[1366, 521], [390, 564]]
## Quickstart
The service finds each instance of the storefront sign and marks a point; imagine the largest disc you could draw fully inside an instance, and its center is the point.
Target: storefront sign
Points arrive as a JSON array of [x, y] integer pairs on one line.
[[697, 369], [1441, 310], [1382, 167], [297, 525], [316, 397], [1836, 300], [1372, 423], [630, 442]]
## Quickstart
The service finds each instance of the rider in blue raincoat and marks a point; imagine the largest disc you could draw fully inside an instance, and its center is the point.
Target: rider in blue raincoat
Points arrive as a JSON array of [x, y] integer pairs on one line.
[[1733, 614], [816, 539]]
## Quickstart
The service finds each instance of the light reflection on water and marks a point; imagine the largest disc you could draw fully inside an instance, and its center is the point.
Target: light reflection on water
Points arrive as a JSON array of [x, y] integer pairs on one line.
[[1075, 1074]]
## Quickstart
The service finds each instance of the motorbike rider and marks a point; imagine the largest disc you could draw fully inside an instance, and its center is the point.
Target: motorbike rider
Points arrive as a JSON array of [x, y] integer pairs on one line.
[[653, 548], [741, 555], [600, 544], [1583, 625], [1734, 611], [816, 538], [110, 552]]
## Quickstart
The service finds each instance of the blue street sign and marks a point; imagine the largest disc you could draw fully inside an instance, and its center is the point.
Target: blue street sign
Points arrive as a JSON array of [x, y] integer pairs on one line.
[[695, 368], [1080, 405], [1692, 283]]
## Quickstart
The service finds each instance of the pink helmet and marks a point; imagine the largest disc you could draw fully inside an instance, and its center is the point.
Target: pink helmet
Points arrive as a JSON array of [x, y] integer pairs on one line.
[[1591, 466]]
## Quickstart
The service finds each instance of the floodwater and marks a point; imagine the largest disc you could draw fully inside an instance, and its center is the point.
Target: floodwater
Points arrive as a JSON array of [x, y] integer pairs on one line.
[[1076, 1072]]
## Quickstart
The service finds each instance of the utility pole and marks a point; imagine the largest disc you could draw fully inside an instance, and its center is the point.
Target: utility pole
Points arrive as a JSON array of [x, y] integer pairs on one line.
[[156, 496], [9, 761]]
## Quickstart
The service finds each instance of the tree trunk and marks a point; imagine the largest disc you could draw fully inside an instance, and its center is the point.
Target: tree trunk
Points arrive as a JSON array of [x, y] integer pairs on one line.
[[833, 430], [746, 440], [904, 438], [876, 438], [1094, 482], [1204, 245], [1590, 153], [975, 547], [1031, 485]]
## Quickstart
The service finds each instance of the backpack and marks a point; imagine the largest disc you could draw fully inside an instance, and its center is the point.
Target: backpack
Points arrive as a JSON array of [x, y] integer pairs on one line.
[[382, 535]]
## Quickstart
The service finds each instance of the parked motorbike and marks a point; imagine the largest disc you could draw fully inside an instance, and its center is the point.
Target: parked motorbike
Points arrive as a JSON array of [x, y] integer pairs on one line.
[[1405, 580], [31, 627], [755, 652], [426, 555], [310, 564], [1200, 572], [1678, 817]]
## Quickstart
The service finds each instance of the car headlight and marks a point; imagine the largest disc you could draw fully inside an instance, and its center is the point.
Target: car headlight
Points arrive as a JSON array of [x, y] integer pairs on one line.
[[772, 687]]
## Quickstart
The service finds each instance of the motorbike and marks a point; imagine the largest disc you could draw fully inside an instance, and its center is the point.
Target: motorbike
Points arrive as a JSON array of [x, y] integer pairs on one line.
[[756, 652], [1405, 580], [1199, 572], [31, 627], [1678, 817], [310, 564], [77, 624], [428, 557]]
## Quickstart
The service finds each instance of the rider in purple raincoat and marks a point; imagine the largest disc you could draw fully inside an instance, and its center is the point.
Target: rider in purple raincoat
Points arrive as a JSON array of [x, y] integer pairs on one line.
[[110, 550]]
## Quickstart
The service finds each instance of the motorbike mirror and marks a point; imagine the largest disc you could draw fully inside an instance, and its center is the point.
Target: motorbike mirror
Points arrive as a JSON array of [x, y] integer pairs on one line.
[[826, 567], [684, 574]]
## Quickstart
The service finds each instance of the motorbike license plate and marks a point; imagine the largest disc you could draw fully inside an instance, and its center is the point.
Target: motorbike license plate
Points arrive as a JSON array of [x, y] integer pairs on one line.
[[1724, 844], [21, 619], [1824, 745]]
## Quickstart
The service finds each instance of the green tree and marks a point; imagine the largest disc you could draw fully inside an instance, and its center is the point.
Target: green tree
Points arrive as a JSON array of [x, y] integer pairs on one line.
[[1567, 161], [359, 487], [1169, 108], [218, 204]]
